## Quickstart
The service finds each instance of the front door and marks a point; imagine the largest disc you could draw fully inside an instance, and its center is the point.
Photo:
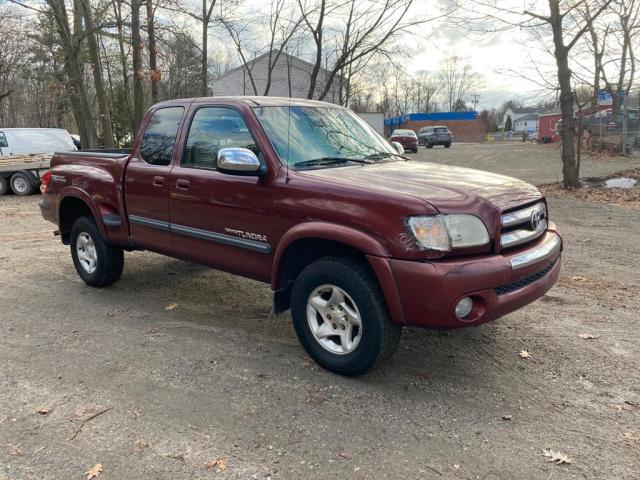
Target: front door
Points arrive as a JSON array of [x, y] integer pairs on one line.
[[147, 181], [219, 219]]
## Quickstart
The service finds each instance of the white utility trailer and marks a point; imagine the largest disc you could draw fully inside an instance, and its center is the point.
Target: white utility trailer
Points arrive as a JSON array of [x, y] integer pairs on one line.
[[21, 173]]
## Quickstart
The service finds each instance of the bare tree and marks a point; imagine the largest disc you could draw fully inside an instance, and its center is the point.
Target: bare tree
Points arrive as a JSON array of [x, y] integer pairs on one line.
[[457, 80], [565, 32]]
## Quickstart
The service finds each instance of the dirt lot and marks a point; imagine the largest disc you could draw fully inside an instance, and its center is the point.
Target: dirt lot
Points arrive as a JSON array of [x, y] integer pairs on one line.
[[217, 377]]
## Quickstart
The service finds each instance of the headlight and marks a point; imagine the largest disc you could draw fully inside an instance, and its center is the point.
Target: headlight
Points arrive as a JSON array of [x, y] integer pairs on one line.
[[444, 232]]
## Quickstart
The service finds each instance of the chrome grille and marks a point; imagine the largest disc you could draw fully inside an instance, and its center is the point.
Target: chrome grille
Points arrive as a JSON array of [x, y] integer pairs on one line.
[[523, 226]]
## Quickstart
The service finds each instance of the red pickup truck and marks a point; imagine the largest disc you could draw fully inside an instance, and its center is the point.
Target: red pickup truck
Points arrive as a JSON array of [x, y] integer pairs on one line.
[[355, 239]]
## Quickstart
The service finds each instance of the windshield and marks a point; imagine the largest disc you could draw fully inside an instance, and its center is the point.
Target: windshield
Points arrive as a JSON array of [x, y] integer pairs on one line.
[[321, 135], [403, 133]]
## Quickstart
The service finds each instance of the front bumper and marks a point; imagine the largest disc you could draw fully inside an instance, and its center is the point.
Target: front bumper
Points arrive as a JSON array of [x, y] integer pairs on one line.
[[427, 292]]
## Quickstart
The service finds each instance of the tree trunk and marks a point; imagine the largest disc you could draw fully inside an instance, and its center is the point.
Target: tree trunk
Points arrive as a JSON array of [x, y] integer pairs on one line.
[[204, 69], [117, 10], [101, 95], [136, 46], [318, 60], [153, 54], [73, 71], [570, 173]]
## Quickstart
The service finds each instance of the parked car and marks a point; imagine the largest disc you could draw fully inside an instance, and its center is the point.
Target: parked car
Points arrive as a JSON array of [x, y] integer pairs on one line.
[[354, 239], [430, 136], [407, 138], [24, 156], [533, 137]]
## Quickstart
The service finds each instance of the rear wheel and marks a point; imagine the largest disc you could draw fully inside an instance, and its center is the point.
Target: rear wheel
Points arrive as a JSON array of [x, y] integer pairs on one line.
[[4, 186], [447, 145], [429, 145], [341, 318], [98, 263], [21, 184]]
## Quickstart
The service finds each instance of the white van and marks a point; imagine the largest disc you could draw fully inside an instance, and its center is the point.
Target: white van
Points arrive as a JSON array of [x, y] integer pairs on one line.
[[30, 141]]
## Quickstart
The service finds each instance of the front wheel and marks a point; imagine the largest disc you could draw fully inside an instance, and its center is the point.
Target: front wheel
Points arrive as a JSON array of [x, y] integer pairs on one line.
[[98, 263], [447, 145], [429, 145], [341, 318]]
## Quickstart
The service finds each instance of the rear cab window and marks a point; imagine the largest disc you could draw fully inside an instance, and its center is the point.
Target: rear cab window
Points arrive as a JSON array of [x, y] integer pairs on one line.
[[212, 129], [159, 138]]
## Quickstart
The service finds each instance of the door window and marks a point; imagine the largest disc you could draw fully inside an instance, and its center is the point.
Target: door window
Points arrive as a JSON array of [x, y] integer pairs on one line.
[[3, 140], [212, 129], [160, 137]]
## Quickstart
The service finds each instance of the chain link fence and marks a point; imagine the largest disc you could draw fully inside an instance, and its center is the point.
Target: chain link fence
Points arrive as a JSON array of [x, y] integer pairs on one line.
[[615, 133]]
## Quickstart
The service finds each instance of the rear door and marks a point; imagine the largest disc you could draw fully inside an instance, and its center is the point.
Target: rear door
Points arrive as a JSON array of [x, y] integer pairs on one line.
[[147, 180]]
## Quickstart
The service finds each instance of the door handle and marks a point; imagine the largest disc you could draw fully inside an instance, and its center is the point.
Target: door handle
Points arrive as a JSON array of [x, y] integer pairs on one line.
[[182, 184], [158, 181]]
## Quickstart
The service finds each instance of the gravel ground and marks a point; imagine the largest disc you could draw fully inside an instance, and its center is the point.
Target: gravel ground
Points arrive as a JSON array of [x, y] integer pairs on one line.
[[218, 377]]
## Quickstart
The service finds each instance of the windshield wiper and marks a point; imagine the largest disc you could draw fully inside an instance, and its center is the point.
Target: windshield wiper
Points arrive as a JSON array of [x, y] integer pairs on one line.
[[329, 161], [381, 155]]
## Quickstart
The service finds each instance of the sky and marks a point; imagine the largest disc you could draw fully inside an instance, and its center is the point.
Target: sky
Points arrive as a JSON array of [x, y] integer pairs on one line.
[[503, 59]]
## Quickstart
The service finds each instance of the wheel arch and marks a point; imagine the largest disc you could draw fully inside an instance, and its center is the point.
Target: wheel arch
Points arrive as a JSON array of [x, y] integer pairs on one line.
[[311, 241], [74, 205]]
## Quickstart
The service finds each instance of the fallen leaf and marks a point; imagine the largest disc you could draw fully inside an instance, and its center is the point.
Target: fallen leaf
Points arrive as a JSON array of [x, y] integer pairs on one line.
[[588, 336], [94, 471], [556, 457], [524, 354], [507, 417], [171, 306], [43, 411], [578, 279], [630, 437], [140, 445], [219, 464], [15, 450], [345, 455]]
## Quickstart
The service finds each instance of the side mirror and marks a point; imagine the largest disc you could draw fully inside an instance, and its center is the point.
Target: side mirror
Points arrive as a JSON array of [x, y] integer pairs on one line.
[[239, 161], [398, 146]]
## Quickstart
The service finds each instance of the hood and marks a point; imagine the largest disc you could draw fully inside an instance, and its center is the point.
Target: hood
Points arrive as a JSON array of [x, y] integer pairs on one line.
[[445, 187]]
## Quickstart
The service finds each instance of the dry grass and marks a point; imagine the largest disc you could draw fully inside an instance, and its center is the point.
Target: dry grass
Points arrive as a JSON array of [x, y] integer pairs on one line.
[[595, 190]]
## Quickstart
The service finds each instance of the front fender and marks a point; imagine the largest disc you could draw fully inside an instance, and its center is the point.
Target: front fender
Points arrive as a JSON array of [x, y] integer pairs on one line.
[[325, 231]]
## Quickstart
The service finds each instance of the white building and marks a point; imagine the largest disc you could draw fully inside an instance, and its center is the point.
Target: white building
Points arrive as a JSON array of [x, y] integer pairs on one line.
[[289, 78], [527, 123]]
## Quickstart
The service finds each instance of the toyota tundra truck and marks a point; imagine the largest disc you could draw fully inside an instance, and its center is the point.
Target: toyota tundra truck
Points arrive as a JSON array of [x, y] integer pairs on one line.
[[356, 240]]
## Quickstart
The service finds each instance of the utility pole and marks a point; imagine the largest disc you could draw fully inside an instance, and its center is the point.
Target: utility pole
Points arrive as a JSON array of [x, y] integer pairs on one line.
[[475, 99]]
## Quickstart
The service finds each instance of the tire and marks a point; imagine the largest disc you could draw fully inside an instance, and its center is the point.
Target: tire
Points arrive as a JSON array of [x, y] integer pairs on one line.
[[21, 184], [429, 145], [323, 282], [447, 145], [415, 150], [4, 186], [87, 244]]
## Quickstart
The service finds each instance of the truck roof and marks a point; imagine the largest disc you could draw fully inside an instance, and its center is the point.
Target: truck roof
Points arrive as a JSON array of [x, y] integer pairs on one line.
[[254, 101]]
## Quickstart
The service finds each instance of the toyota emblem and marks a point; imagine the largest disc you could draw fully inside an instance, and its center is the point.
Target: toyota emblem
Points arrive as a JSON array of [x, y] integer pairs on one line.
[[536, 219]]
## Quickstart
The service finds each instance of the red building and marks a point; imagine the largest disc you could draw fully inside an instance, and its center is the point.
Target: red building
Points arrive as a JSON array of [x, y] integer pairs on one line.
[[547, 122]]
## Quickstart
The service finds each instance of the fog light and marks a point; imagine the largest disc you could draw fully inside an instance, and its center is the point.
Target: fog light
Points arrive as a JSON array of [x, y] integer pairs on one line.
[[464, 307]]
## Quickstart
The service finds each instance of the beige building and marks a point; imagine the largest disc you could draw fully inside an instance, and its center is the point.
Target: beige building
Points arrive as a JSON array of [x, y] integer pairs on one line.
[[289, 78]]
